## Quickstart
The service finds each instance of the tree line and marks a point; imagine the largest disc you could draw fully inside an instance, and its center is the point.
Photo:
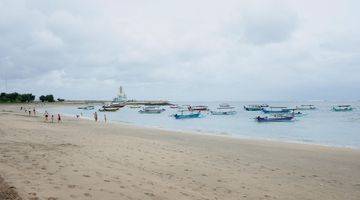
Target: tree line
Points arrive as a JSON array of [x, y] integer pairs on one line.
[[16, 97], [22, 98]]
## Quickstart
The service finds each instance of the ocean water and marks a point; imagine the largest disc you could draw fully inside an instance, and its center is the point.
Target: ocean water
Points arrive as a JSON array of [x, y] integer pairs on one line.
[[320, 126]]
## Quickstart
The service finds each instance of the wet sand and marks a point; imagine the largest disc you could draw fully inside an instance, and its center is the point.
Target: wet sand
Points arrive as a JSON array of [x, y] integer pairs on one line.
[[80, 159]]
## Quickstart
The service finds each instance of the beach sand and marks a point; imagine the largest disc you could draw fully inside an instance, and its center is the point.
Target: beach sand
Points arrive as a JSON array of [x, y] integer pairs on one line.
[[81, 159]]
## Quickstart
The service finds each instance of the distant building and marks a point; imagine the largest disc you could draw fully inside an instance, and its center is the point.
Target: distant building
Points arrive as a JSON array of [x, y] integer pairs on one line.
[[121, 97]]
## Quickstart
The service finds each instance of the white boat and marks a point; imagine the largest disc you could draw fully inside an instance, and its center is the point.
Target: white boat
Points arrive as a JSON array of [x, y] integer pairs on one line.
[[87, 107], [224, 109], [306, 107], [225, 106], [151, 110], [109, 109], [223, 112]]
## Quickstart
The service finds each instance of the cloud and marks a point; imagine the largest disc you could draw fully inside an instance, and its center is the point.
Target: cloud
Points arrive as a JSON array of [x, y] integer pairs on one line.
[[181, 50]]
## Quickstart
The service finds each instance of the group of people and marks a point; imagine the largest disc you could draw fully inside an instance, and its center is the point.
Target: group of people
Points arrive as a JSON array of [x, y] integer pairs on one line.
[[47, 115], [28, 111], [96, 117]]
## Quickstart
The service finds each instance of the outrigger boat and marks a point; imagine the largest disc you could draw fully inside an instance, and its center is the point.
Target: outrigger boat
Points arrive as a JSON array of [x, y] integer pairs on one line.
[[223, 112], [134, 106], [187, 116], [340, 108], [174, 106], [224, 109], [151, 110], [306, 107], [87, 107], [276, 110], [115, 105], [225, 106], [255, 107], [198, 108], [275, 118], [104, 109]]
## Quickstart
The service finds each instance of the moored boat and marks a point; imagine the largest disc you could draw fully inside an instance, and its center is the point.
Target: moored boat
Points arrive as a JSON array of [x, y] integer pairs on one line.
[[151, 110], [198, 108], [104, 109], [87, 107], [223, 112], [134, 106], [306, 107], [273, 109], [174, 106], [225, 106], [340, 108], [187, 116], [255, 107], [275, 118]]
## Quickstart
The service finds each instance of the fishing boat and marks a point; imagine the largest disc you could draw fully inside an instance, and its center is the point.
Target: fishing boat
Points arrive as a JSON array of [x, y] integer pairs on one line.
[[340, 108], [225, 106], [151, 110], [224, 109], [187, 116], [223, 112], [104, 109], [87, 107], [275, 118], [273, 109], [198, 108], [134, 106], [306, 107], [255, 107], [174, 106], [115, 105], [298, 114]]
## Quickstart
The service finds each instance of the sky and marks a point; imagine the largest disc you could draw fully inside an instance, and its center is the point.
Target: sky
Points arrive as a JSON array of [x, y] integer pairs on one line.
[[182, 50]]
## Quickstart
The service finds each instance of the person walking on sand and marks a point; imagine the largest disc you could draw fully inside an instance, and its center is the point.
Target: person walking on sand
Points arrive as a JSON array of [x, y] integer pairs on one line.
[[29, 113], [95, 116], [34, 111], [46, 116], [52, 118], [105, 118], [58, 118]]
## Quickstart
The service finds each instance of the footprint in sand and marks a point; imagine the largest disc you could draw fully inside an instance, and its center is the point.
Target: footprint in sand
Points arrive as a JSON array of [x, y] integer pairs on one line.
[[85, 175], [52, 198], [87, 194], [71, 186]]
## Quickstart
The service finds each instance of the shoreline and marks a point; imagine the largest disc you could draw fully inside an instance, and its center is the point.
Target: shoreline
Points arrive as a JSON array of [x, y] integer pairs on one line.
[[215, 134], [80, 159]]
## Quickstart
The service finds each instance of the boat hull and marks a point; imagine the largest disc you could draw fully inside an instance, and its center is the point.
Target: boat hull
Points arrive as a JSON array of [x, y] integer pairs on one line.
[[274, 119], [223, 112], [189, 116]]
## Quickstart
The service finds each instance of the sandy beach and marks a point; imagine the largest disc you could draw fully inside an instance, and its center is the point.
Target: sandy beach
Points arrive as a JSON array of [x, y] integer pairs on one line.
[[81, 159]]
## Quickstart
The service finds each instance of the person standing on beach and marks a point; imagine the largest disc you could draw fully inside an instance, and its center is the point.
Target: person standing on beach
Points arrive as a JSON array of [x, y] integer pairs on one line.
[[105, 118], [52, 118], [59, 118], [34, 111], [29, 113], [95, 116], [46, 116]]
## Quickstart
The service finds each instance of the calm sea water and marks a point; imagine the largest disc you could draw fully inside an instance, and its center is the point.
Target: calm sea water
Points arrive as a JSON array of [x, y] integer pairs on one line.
[[320, 126]]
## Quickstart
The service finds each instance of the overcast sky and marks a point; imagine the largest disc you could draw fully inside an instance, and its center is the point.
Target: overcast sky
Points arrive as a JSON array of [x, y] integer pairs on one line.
[[182, 49]]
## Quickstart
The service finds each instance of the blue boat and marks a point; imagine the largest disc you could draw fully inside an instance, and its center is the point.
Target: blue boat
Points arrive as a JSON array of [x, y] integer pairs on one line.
[[275, 118], [255, 107], [187, 116], [276, 110], [342, 108]]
